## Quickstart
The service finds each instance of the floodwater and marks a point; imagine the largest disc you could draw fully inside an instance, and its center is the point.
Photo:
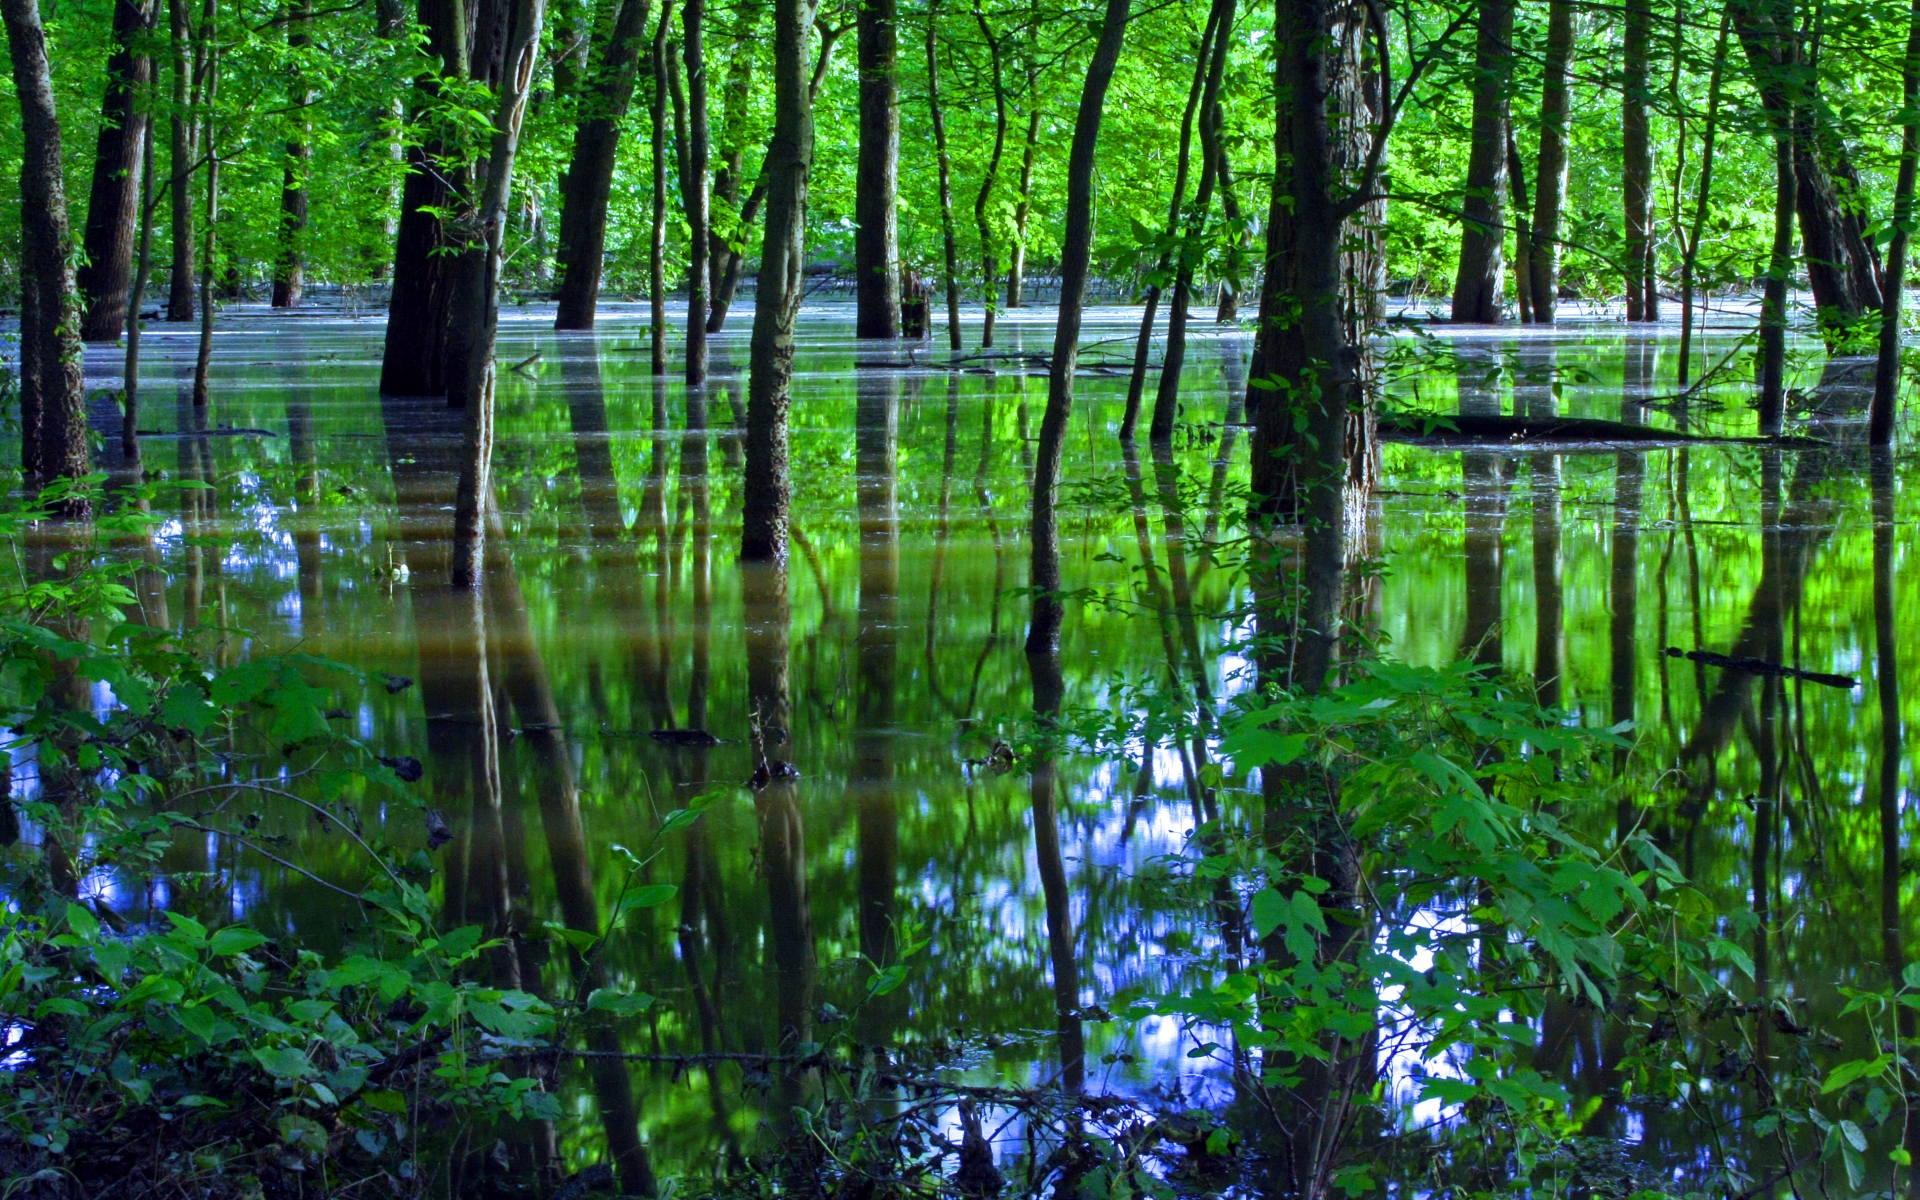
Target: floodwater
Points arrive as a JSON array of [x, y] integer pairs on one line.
[[618, 609]]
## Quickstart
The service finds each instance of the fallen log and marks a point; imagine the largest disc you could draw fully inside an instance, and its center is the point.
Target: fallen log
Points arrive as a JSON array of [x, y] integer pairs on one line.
[[1479, 429], [1760, 666]]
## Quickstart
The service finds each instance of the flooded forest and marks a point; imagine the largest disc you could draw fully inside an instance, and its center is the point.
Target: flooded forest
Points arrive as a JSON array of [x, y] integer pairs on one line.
[[969, 599]]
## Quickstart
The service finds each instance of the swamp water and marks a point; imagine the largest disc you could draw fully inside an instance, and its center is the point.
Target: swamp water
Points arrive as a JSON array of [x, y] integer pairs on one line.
[[617, 609]]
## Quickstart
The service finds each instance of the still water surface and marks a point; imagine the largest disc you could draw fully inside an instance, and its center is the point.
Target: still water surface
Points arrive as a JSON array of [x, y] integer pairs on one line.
[[618, 609]]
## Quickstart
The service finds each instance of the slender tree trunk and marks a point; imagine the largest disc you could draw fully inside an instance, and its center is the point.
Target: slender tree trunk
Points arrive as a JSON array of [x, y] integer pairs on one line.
[[952, 254], [390, 25], [1550, 176], [1522, 228], [136, 295], [728, 229], [1886, 373], [1701, 202], [482, 312], [425, 266], [114, 203], [1182, 167], [989, 261], [1636, 161], [1023, 205], [182, 149], [588, 183], [209, 128], [789, 165], [693, 187], [1166, 401], [1477, 283], [1773, 301], [876, 235], [290, 272], [1228, 310], [1076, 250], [657, 237], [53, 442]]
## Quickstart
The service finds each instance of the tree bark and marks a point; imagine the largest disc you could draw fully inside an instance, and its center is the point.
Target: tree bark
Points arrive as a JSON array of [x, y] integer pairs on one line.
[[1701, 202], [1023, 205], [588, 183], [136, 294], [1477, 283], [481, 312], [290, 272], [1636, 158], [657, 237], [693, 186], [876, 235], [114, 201], [53, 441], [989, 260], [945, 163], [1522, 228], [182, 149], [1166, 401], [424, 267], [1076, 249], [209, 52], [1550, 176], [789, 165], [1886, 373]]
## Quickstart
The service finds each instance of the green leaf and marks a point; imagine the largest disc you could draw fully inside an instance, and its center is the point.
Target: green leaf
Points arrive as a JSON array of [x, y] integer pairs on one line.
[[303, 1133], [1269, 909], [1848, 1072], [618, 1003], [283, 1062], [650, 895], [163, 988], [187, 931], [83, 923], [236, 939]]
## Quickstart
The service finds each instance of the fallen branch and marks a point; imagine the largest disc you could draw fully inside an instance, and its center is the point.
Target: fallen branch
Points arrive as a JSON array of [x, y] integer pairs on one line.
[[1483, 428], [1760, 666]]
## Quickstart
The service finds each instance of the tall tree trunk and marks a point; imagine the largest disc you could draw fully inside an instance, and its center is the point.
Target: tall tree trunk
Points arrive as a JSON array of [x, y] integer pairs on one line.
[[1636, 157], [182, 149], [209, 137], [1773, 301], [1701, 201], [588, 183], [390, 25], [1076, 251], [53, 433], [945, 163], [424, 267], [1023, 205], [113, 204], [136, 295], [1886, 373], [728, 228], [1477, 283], [989, 261], [693, 186], [1550, 176], [481, 312], [789, 166], [1238, 235], [657, 235], [290, 272], [876, 234], [1182, 167], [1306, 454], [1166, 401], [1522, 228]]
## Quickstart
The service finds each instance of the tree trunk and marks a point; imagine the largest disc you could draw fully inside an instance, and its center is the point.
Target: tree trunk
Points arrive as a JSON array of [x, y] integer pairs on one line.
[[1886, 373], [290, 272], [1307, 452], [1166, 401], [1550, 176], [693, 187], [209, 127], [481, 312], [1182, 167], [1477, 283], [657, 237], [424, 267], [1701, 201], [1636, 158], [876, 234], [588, 183], [1076, 249], [1522, 228], [1229, 308], [945, 163], [53, 425], [182, 149], [1023, 206], [728, 226], [789, 165], [114, 202], [136, 294], [989, 261]]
